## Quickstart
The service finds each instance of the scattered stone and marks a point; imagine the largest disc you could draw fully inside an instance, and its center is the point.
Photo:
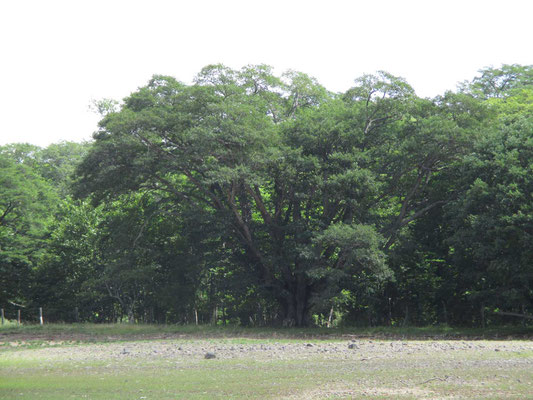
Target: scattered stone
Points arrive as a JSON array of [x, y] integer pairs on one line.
[[309, 345], [496, 349], [209, 356], [352, 346]]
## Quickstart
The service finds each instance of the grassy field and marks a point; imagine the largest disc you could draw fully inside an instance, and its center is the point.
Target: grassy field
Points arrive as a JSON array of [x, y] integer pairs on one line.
[[167, 362], [100, 332]]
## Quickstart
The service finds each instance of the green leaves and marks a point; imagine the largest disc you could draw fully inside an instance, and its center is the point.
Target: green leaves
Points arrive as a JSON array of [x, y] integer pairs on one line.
[[27, 204], [354, 247], [500, 82], [272, 199]]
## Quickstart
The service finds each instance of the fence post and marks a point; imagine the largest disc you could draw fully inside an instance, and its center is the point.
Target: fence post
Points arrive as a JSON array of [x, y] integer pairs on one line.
[[76, 314], [18, 316], [41, 315], [2, 316]]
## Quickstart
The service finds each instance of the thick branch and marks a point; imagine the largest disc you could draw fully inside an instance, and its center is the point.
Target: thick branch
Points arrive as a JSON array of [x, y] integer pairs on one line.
[[409, 219], [408, 198], [246, 234], [10, 207], [421, 212], [216, 200], [256, 194]]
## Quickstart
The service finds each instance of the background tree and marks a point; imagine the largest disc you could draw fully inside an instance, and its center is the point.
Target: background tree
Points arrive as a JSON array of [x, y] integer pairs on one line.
[[27, 205]]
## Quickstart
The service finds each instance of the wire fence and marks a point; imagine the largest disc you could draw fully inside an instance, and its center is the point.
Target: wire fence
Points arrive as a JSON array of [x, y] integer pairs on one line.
[[21, 314], [18, 314]]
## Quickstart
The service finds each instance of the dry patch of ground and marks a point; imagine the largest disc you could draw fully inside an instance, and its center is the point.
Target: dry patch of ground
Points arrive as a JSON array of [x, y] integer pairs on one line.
[[253, 368]]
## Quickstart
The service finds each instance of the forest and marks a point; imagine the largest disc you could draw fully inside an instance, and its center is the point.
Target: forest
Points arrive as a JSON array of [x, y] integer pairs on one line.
[[247, 198]]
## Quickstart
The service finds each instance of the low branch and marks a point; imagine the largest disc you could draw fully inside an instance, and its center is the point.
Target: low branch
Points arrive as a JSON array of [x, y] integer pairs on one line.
[[513, 314]]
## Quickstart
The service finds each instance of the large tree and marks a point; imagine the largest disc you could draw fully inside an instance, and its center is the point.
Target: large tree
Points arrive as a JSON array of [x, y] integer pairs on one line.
[[313, 187]]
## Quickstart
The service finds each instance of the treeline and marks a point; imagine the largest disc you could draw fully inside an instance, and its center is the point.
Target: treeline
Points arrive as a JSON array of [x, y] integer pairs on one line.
[[253, 199]]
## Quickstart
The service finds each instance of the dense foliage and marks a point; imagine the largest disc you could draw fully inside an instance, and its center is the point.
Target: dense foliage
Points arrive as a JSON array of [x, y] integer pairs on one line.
[[249, 198]]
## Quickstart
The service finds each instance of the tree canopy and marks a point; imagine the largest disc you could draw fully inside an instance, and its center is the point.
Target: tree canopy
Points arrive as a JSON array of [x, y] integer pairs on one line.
[[247, 197]]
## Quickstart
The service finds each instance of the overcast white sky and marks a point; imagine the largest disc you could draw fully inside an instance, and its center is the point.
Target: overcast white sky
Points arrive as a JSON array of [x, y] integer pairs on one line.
[[58, 56]]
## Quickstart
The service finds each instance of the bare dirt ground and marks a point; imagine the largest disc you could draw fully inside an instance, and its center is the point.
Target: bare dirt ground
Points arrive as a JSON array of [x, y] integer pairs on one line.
[[76, 347]]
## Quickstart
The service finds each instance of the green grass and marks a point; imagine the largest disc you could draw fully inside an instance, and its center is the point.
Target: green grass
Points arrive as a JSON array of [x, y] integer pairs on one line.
[[194, 380], [63, 361], [117, 331], [99, 361], [96, 371]]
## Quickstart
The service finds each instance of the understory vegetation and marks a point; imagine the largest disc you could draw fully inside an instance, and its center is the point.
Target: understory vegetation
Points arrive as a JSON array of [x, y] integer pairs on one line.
[[251, 199]]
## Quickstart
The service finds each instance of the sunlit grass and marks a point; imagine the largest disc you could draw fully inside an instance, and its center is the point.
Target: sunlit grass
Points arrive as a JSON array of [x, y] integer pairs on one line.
[[116, 331]]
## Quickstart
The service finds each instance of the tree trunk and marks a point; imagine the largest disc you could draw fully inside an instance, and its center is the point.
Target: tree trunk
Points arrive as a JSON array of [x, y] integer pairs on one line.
[[330, 318], [214, 315], [296, 302], [131, 317], [389, 322], [289, 319], [406, 318], [301, 300]]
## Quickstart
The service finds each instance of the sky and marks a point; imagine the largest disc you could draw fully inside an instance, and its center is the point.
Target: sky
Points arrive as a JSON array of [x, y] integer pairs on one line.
[[57, 57]]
